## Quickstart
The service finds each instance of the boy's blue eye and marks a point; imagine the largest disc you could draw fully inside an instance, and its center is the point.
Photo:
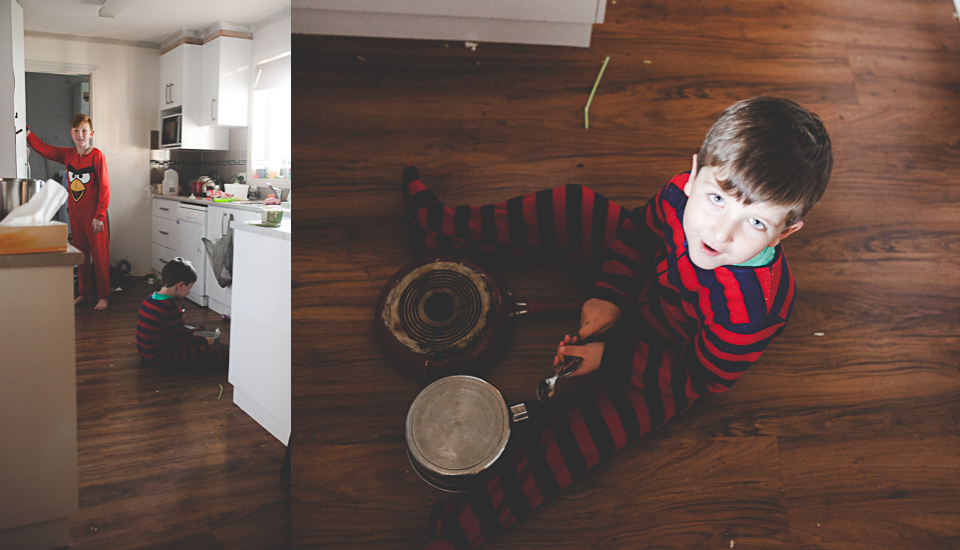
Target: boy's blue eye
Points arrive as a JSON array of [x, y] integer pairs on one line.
[[715, 198], [757, 224]]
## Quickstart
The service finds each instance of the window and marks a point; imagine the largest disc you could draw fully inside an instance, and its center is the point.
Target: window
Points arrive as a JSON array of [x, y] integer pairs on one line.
[[270, 128]]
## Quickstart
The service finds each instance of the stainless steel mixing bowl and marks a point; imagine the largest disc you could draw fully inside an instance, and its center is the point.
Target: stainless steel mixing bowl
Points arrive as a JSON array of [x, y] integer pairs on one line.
[[16, 191]]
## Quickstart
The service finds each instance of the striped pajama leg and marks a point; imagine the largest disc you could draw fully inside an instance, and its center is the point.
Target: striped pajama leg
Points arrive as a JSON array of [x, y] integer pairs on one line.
[[603, 422], [571, 218], [582, 223], [197, 355]]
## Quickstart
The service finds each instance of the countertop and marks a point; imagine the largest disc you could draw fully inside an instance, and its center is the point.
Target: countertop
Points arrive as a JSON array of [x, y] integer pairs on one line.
[[282, 232], [249, 206], [50, 259]]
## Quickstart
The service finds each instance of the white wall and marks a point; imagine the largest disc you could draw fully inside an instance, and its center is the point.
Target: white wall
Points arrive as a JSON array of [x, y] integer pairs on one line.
[[269, 40], [271, 36], [124, 94]]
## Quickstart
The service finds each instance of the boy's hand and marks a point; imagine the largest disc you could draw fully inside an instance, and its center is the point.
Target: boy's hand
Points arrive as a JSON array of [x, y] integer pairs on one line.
[[597, 316], [591, 354], [97, 225]]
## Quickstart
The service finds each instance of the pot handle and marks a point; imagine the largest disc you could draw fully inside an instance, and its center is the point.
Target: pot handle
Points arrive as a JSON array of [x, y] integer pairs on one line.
[[519, 412], [535, 308]]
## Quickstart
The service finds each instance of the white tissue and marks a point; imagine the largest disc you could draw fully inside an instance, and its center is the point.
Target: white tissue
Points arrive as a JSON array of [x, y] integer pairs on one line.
[[40, 209]]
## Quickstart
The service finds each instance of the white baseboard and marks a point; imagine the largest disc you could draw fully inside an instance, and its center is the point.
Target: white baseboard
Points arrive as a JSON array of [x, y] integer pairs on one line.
[[426, 27]]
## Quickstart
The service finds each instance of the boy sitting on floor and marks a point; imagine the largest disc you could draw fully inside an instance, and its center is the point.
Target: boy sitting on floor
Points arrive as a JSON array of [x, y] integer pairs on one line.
[[162, 338], [691, 289]]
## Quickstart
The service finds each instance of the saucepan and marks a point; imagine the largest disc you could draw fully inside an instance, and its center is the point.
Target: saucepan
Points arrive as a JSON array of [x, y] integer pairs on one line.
[[456, 429], [15, 192], [447, 315]]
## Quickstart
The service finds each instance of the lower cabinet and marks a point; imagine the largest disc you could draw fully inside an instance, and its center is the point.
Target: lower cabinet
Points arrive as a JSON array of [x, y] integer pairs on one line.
[[163, 232], [218, 222]]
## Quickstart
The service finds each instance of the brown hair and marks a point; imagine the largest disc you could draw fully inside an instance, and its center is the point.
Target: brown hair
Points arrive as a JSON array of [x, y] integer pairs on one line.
[[80, 119], [773, 150], [177, 270]]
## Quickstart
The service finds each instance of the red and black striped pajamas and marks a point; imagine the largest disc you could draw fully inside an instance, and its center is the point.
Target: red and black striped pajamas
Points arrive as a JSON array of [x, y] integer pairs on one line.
[[164, 341], [684, 331]]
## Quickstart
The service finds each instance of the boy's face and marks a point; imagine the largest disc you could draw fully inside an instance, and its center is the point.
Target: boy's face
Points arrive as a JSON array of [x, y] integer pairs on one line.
[[182, 289], [722, 230], [81, 135]]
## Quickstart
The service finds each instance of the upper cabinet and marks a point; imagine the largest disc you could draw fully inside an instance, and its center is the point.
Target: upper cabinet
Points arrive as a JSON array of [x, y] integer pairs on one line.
[[225, 82], [180, 73], [179, 69]]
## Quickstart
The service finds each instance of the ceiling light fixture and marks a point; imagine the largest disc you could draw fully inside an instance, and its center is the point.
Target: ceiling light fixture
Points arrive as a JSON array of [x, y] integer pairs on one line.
[[111, 8]]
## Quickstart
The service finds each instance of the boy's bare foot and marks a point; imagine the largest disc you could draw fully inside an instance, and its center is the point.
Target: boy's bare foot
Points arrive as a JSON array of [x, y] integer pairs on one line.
[[102, 304], [81, 299]]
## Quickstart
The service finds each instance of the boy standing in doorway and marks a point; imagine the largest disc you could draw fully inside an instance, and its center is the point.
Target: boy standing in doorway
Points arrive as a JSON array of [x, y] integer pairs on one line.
[[87, 204]]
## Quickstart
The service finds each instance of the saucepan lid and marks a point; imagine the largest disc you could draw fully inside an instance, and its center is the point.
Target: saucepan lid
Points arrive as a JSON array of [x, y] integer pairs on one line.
[[458, 426]]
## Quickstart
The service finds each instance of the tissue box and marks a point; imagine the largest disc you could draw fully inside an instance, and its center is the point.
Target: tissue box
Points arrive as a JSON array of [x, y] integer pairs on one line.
[[32, 239]]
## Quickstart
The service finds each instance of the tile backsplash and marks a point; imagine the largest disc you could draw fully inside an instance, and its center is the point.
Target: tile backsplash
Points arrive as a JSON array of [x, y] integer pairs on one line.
[[220, 165]]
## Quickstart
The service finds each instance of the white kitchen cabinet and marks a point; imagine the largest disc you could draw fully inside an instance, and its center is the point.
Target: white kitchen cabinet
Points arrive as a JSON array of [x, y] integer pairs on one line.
[[218, 219], [553, 22], [179, 68], [190, 230], [164, 225], [225, 85], [260, 326], [180, 83]]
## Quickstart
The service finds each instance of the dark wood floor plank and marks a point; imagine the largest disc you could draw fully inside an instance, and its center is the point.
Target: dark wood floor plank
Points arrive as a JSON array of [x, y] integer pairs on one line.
[[390, 519], [868, 489]]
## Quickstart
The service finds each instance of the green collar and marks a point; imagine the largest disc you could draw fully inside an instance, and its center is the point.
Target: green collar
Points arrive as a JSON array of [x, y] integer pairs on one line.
[[761, 259], [158, 296]]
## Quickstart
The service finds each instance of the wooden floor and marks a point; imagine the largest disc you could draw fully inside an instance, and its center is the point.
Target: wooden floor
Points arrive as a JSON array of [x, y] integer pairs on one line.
[[166, 461], [845, 440]]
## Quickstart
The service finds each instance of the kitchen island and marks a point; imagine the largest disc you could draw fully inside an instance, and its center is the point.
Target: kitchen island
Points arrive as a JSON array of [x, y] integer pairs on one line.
[[260, 324], [38, 400]]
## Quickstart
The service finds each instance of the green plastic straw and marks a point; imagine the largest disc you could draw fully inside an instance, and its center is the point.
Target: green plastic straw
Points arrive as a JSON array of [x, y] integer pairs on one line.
[[221, 391], [586, 110]]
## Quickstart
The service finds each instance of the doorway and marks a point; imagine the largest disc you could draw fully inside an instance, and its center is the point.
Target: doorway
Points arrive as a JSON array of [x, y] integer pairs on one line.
[[52, 101]]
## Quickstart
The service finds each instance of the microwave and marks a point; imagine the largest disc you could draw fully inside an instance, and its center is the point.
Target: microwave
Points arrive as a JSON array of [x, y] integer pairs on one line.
[[171, 128]]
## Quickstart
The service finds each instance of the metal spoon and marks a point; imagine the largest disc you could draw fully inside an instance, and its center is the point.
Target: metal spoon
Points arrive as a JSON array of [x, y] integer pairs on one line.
[[546, 388]]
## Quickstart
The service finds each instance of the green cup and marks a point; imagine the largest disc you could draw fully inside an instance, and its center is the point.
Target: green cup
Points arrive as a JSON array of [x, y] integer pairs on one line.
[[271, 215]]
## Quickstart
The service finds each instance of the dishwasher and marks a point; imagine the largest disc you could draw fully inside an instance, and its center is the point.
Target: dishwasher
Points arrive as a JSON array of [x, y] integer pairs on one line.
[[191, 228]]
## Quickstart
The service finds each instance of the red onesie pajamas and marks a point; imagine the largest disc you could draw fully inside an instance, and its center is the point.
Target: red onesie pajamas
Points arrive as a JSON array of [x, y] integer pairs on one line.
[[684, 331], [88, 200]]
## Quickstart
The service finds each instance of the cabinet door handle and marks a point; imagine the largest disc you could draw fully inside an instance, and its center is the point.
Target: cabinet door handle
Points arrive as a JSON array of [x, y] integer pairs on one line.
[[162, 260], [162, 208], [164, 233], [212, 115], [171, 92], [166, 94]]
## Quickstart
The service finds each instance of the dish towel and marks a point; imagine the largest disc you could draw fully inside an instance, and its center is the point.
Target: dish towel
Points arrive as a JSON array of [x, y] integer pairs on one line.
[[221, 256]]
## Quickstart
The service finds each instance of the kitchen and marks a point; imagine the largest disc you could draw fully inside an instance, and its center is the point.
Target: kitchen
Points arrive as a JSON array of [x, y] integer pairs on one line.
[[125, 50]]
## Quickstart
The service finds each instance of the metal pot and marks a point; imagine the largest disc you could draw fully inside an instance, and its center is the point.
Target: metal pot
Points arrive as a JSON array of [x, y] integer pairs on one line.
[[456, 429], [447, 315], [15, 192]]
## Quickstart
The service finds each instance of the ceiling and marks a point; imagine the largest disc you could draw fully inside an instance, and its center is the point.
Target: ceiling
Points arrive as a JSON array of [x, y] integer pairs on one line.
[[144, 22]]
